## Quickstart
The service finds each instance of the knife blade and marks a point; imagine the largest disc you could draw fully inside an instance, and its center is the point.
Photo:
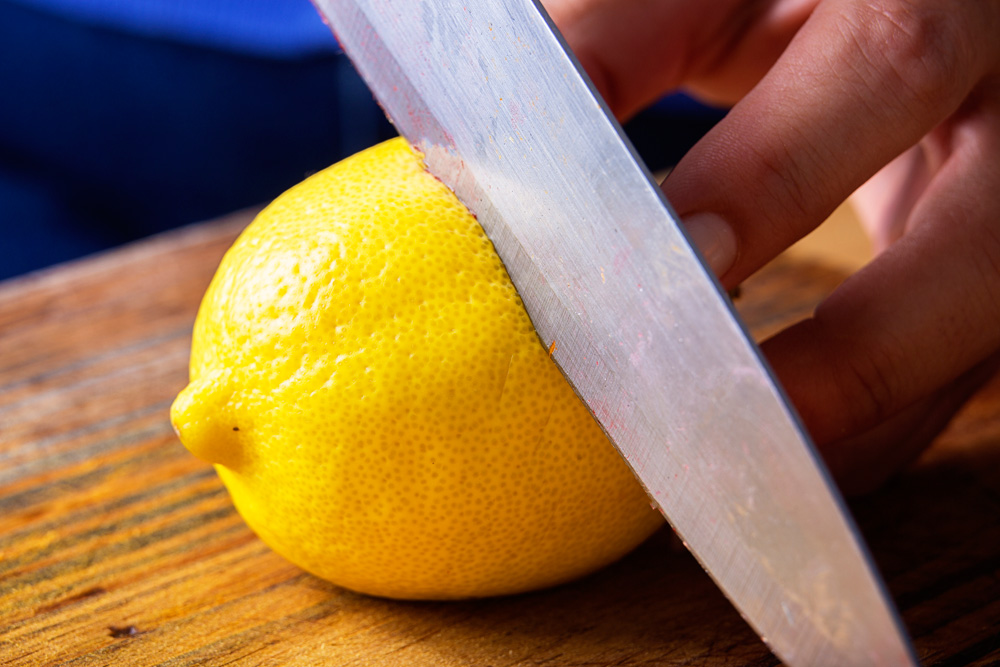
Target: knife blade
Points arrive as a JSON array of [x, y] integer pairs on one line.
[[504, 115]]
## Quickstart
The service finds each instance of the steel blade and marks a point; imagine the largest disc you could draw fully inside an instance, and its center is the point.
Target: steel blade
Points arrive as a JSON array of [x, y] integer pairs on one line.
[[506, 118]]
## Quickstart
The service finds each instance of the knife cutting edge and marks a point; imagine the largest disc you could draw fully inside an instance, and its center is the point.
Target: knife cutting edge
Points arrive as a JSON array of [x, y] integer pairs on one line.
[[505, 116]]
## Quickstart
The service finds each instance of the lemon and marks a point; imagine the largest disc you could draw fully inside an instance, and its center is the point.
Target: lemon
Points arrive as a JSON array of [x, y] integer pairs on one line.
[[379, 406]]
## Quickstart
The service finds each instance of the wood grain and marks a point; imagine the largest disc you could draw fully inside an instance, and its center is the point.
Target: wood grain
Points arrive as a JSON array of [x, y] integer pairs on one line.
[[117, 547]]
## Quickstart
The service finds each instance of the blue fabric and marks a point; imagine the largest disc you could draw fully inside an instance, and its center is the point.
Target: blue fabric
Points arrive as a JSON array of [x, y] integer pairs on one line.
[[272, 28], [106, 137], [122, 118]]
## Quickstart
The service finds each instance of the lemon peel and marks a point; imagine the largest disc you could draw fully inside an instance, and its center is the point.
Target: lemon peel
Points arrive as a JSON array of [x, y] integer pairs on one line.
[[380, 408]]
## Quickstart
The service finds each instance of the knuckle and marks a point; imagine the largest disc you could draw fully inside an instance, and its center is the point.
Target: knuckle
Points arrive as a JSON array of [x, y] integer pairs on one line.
[[791, 200], [918, 51], [869, 384]]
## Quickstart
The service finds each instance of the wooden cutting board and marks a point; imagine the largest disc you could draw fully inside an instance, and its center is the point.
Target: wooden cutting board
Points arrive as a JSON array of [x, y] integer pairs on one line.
[[117, 547]]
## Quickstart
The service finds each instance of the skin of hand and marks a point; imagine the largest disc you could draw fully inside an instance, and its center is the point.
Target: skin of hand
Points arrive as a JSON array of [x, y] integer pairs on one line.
[[896, 102]]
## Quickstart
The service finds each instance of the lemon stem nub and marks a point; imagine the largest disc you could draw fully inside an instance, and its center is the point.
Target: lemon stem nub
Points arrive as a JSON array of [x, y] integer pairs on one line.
[[202, 417]]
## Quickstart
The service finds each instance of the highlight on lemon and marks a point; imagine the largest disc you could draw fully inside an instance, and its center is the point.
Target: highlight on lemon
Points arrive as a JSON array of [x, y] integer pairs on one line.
[[373, 395]]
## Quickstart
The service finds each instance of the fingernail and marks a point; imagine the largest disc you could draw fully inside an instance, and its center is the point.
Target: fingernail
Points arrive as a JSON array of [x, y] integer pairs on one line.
[[714, 238]]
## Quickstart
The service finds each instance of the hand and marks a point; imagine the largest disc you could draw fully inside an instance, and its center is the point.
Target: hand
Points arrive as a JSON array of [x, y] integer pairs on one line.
[[829, 95]]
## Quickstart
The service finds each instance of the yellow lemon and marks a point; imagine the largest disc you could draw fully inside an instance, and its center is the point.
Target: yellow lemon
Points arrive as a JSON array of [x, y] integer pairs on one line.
[[376, 400]]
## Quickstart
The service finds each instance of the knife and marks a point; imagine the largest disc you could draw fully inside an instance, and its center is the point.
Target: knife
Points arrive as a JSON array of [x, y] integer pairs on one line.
[[504, 115]]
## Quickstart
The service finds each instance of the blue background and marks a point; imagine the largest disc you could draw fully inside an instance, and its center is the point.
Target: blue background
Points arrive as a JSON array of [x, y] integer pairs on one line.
[[120, 119]]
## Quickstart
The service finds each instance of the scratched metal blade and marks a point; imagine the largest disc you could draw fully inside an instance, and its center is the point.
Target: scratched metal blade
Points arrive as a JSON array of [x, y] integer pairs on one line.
[[486, 90]]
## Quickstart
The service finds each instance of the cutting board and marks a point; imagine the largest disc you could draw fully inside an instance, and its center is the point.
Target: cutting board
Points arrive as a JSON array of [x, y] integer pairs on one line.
[[117, 547]]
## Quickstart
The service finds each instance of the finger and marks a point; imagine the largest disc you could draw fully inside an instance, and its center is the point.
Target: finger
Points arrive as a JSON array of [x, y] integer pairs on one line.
[[919, 315], [865, 462], [885, 202], [632, 51], [636, 51], [723, 76], [861, 82]]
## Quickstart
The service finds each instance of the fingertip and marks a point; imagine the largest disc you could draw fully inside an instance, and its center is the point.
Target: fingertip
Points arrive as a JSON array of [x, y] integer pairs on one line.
[[714, 238]]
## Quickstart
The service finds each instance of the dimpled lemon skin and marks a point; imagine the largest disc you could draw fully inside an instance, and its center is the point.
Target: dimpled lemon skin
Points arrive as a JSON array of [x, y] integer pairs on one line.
[[379, 406]]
